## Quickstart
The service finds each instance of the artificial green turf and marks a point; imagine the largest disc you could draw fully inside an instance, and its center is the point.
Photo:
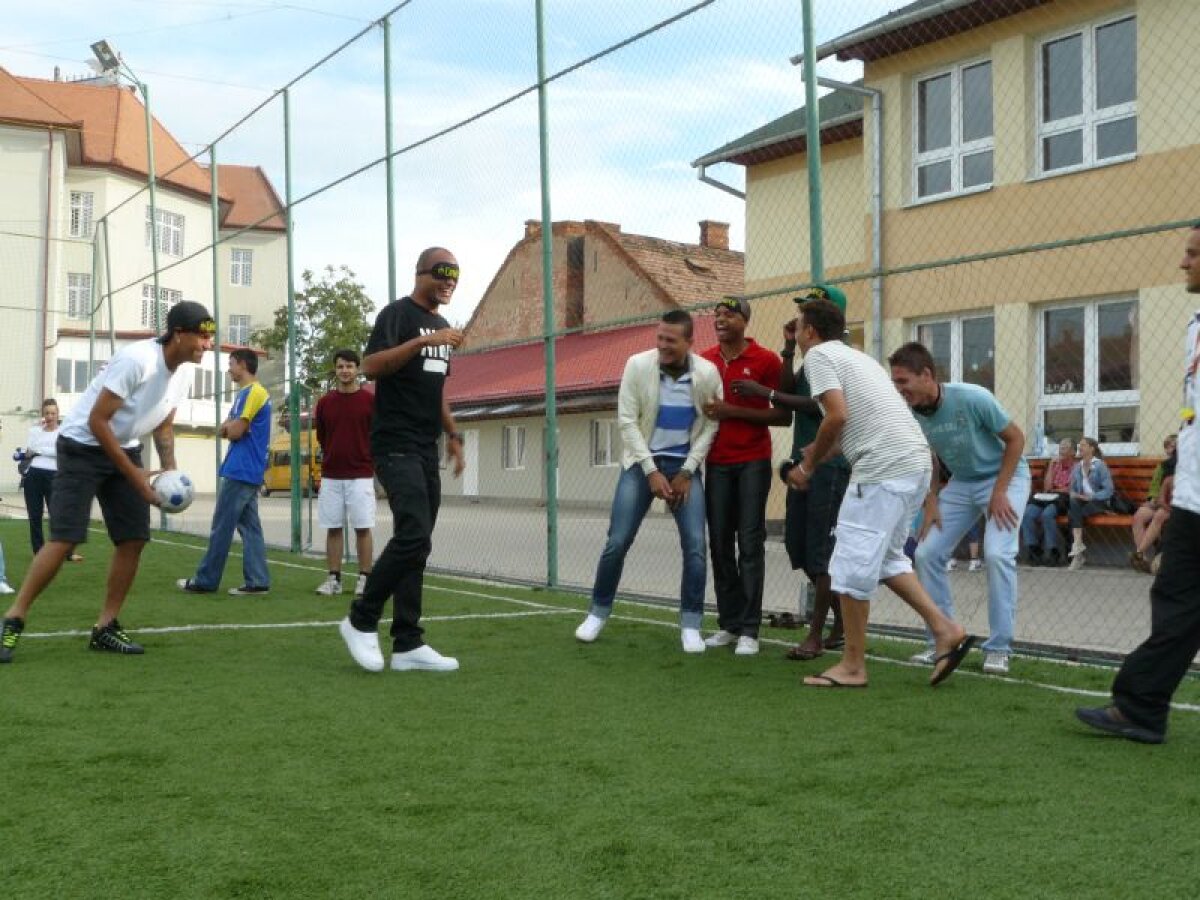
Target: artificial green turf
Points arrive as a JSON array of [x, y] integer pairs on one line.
[[263, 763]]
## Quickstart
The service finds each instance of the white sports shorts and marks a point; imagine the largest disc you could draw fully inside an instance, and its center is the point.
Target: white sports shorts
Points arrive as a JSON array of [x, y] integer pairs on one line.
[[346, 502], [872, 526]]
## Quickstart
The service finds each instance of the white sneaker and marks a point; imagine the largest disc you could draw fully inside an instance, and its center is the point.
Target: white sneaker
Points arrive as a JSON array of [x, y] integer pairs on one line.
[[590, 629], [975, 565], [995, 663], [5, 587], [1078, 554], [746, 646], [363, 646], [360, 585], [720, 639], [925, 657], [952, 564], [690, 638], [330, 587], [423, 659]]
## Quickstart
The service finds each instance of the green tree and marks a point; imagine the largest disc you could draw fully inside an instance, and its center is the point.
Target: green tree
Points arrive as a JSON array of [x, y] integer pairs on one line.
[[331, 313]]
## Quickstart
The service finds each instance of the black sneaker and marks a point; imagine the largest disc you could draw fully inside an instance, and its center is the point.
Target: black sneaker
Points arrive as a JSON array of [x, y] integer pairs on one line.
[[190, 587], [246, 590], [9, 635], [112, 637]]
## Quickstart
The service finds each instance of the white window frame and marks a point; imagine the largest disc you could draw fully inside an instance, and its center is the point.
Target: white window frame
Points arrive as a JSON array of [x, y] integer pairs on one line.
[[1090, 118], [169, 231], [82, 212], [512, 448], [1091, 399], [612, 444], [956, 339], [241, 267], [167, 297], [79, 295], [239, 330], [958, 149]]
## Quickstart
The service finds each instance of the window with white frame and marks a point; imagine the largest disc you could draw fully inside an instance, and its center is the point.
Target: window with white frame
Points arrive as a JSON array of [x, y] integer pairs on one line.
[[239, 330], [606, 443], [512, 447], [241, 263], [963, 348], [74, 375], [1088, 96], [166, 299], [954, 133], [169, 231], [1088, 373], [81, 214], [79, 295], [203, 386]]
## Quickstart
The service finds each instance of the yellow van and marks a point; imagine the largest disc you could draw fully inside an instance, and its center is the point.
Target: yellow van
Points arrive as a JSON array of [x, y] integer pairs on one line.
[[279, 464]]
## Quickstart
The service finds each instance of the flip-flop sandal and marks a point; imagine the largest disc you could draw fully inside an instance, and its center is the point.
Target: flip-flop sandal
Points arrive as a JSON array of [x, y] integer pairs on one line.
[[952, 659], [826, 682], [800, 652]]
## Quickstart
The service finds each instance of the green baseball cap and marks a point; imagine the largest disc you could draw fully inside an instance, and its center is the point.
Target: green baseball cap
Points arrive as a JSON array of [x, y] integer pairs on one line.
[[824, 292]]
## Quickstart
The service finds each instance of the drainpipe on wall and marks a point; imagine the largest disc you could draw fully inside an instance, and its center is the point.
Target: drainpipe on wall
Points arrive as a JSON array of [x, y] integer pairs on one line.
[[41, 379], [876, 98], [702, 174]]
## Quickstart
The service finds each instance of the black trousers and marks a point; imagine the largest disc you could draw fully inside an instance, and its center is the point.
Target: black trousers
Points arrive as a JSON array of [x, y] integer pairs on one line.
[[1150, 674], [37, 486], [736, 502], [414, 492]]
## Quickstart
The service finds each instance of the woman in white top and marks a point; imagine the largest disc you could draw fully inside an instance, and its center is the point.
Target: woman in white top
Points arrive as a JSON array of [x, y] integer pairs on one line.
[[39, 480]]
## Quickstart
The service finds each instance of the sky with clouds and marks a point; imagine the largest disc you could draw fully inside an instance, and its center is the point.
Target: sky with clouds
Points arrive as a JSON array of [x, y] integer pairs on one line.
[[623, 130]]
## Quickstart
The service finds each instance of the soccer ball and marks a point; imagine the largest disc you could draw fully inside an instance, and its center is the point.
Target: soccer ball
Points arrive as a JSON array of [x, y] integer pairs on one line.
[[175, 491]]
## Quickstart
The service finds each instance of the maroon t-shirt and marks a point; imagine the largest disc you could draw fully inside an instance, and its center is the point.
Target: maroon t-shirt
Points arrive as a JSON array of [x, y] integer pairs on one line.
[[739, 441], [344, 433]]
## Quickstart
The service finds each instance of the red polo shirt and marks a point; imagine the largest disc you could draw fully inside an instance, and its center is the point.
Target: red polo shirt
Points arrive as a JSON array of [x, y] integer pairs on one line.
[[739, 441]]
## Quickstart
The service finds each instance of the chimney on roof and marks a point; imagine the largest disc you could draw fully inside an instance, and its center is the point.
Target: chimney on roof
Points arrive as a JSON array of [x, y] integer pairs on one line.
[[533, 228], [714, 235]]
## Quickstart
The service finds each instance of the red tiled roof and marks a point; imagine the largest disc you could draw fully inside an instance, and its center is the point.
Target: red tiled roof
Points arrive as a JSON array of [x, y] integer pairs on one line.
[[585, 363], [253, 198]]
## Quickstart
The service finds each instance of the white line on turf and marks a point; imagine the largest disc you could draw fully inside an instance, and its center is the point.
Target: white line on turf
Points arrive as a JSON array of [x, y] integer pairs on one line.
[[549, 609]]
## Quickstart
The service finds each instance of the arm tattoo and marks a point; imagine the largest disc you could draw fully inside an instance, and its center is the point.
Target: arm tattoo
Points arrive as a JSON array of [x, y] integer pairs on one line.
[[164, 445]]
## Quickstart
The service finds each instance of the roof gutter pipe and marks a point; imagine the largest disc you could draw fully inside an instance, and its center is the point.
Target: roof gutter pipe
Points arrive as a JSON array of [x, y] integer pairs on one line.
[[702, 174], [890, 24]]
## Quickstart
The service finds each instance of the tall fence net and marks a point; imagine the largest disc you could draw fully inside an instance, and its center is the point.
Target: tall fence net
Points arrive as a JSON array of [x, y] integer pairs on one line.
[[998, 181]]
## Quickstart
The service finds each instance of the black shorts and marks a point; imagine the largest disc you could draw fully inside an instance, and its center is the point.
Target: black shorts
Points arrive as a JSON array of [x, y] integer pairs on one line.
[[86, 473], [810, 518]]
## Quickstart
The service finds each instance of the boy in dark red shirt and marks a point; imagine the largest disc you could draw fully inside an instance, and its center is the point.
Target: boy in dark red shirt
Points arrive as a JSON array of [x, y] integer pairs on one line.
[[347, 498], [738, 477]]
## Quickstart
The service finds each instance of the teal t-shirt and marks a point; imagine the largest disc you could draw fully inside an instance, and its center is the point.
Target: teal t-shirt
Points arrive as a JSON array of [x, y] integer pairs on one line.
[[805, 425], [964, 432]]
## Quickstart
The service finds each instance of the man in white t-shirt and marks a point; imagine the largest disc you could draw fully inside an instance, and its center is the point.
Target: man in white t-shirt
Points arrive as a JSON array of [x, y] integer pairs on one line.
[[889, 477], [100, 457]]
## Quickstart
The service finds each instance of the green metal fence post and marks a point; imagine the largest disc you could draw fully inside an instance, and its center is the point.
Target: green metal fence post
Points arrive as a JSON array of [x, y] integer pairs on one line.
[[293, 385], [390, 163], [549, 326], [812, 128], [215, 206]]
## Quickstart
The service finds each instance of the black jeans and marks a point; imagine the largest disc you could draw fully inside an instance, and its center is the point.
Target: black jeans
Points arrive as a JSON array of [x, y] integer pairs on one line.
[[37, 486], [1151, 673], [736, 503], [1078, 510], [414, 492]]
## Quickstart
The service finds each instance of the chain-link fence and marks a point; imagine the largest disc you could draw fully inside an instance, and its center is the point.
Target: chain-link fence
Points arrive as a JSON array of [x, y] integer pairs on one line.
[[1001, 181]]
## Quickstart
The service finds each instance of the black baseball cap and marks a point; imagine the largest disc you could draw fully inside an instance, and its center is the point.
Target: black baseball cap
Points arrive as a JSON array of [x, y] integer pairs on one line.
[[188, 315]]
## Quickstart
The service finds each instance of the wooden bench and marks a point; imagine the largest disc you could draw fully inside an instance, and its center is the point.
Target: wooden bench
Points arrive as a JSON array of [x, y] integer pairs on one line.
[[1131, 477]]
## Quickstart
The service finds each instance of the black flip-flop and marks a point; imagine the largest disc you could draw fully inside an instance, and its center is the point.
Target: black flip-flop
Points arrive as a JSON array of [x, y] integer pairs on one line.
[[953, 659], [830, 682]]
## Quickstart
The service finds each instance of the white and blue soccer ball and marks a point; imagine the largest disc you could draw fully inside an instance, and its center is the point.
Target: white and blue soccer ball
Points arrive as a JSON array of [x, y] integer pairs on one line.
[[175, 491]]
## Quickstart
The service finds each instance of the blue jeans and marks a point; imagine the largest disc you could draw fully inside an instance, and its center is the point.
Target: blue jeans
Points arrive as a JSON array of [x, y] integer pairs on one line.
[[2, 569], [237, 508], [1040, 518], [630, 504], [961, 503]]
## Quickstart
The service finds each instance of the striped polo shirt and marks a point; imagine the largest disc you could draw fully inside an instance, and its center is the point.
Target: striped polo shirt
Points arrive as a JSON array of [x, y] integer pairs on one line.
[[672, 434]]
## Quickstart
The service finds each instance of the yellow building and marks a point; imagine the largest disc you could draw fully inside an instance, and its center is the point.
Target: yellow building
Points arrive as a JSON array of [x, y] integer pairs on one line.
[[1033, 178]]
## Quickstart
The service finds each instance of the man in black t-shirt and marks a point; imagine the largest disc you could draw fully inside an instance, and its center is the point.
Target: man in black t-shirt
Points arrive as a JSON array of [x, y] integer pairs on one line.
[[408, 357]]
